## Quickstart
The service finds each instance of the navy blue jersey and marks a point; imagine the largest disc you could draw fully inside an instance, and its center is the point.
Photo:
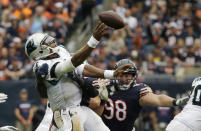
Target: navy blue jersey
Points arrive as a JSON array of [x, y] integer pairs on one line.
[[122, 107], [88, 84]]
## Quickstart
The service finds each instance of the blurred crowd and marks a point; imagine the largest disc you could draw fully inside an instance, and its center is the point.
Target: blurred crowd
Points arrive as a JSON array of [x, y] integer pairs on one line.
[[20, 18], [161, 36]]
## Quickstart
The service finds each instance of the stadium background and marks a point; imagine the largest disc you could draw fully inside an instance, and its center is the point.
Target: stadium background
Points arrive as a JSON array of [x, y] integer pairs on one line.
[[163, 38]]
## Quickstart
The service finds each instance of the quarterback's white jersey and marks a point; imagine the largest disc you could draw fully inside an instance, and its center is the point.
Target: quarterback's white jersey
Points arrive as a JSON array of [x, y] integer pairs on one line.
[[190, 116], [64, 94], [62, 91]]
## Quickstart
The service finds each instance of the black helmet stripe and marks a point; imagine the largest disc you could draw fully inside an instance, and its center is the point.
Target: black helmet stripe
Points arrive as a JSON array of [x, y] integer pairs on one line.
[[30, 47]]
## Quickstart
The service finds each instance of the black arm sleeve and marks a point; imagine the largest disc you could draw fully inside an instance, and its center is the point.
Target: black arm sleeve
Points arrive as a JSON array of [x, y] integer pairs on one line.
[[40, 87], [88, 89]]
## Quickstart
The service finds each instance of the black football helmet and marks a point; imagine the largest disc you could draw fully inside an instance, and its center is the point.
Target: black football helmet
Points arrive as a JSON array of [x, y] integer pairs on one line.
[[133, 70]]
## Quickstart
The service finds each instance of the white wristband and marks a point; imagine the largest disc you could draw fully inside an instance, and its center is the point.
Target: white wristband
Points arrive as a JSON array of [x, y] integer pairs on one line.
[[109, 74], [92, 42]]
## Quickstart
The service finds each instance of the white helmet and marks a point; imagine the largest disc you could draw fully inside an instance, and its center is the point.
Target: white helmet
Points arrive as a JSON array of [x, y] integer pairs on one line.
[[37, 46], [196, 82]]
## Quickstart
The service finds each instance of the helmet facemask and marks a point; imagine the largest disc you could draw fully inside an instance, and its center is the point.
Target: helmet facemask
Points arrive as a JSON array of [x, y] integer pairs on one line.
[[39, 46], [45, 47], [127, 82], [196, 81]]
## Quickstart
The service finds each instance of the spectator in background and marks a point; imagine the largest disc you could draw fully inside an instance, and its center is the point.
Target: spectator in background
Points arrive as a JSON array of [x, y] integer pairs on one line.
[[149, 66], [58, 30], [138, 38], [38, 20], [197, 47], [21, 11], [115, 43], [24, 112], [171, 34], [112, 63], [15, 70], [3, 62], [190, 58], [17, 44], [120, 9], [130, 20]]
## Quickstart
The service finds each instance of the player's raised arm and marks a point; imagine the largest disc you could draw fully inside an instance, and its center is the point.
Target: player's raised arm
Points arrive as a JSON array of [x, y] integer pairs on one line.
[[112, 20], [92, 71], [150, 99], [41, 46], [81, 55]]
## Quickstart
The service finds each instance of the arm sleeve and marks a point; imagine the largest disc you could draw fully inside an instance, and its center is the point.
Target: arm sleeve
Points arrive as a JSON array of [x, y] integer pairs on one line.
[[88, 89], [144, 89]]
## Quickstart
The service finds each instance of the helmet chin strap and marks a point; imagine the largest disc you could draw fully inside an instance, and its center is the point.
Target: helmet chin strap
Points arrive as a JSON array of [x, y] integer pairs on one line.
[[125, 86]]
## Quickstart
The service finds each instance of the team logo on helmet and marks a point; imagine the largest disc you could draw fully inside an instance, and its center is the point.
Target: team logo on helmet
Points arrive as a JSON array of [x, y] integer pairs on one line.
[[30, 47]]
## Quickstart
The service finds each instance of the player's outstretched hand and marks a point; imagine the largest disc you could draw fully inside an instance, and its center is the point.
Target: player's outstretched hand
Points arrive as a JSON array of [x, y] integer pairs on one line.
[[100, 30], [101, 85], [3, 97], [181, 101], [121, 69], [8, 128]]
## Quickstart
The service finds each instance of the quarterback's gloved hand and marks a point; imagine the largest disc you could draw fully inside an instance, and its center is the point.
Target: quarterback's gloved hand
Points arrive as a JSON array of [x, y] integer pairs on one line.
[[101, 85], [8, 128], [3, 97], [180, 101]]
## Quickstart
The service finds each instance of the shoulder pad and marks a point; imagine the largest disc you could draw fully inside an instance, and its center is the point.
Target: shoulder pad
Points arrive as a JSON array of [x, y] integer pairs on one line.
[[41, 69], [140, 85]]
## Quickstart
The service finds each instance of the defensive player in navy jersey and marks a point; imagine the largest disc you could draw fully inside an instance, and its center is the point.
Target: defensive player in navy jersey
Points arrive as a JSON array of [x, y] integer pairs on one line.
[[126, 99]]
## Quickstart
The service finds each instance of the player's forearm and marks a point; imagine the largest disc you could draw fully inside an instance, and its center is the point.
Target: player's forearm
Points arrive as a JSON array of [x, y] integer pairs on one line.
[[94, 103], [20, 73], [92, 71], [17, 113], [81, 55], [31, 113], [161, 100], [164, 101]]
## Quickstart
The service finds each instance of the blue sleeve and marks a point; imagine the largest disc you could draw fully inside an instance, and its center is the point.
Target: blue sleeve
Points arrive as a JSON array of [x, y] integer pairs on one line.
[[89, 81], [143, 89]]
